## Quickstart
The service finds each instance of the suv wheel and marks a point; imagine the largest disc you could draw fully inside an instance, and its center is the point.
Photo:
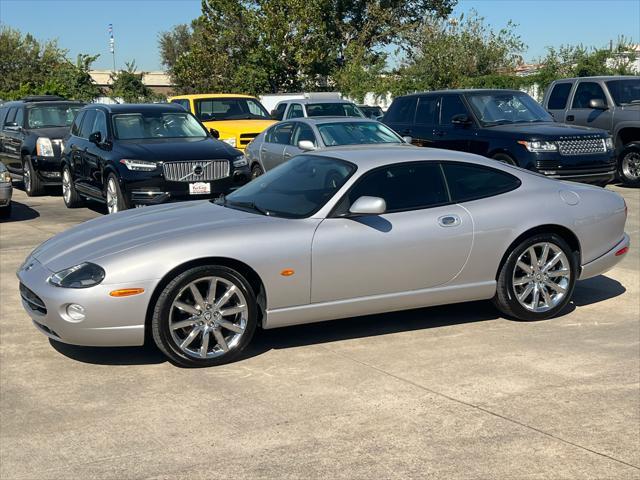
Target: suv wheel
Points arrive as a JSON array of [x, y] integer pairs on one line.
[[629, 165], [116, 201], [69, 193], [32, 184], [256, 171], [504, 158]]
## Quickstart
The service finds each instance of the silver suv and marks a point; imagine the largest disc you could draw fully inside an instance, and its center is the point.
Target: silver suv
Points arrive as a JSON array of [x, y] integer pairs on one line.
[[611, 103], [307, 107]]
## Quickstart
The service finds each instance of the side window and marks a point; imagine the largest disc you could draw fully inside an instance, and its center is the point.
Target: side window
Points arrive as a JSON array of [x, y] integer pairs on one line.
[[100, 124], [407, 186], [295, 111], [470, 182], [87, 123], [451, 105], [426, 114], [19, 119], [402, 110], [278, 113], [10, 116], [75, 128], [303, 132], [559, 96], [183, 102], [3, 115], [586, 92], [282, 133]]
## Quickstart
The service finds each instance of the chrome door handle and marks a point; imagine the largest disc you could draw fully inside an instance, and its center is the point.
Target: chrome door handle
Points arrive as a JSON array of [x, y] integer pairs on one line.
[[449, 220]]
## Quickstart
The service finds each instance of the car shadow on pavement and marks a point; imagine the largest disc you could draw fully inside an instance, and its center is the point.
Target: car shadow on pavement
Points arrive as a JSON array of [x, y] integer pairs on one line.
[[596, 289], [145, 355], [20, 212]]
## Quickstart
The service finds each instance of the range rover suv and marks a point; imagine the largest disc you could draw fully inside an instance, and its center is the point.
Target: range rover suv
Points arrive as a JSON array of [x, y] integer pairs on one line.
[[31, 133], [506, 125], [132, 155], [611, 103]]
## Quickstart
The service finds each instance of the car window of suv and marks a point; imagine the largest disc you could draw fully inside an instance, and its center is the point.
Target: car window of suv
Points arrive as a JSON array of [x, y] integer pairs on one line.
[[451, 105], [406, 186], [402, 110], [559, 96], [295, 111], [75, 127], [470, 182], [19, 118], [303, 132], [426, 112], [282, 133], [3, 115], [100, 124], [10, 116], [87, 123], [586, 92]]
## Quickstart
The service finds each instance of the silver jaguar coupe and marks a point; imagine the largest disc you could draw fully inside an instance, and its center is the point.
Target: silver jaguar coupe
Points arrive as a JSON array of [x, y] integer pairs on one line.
[[327, 235]]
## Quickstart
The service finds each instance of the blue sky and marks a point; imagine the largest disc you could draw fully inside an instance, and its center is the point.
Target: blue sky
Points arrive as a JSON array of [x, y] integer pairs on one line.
[[81, 25]]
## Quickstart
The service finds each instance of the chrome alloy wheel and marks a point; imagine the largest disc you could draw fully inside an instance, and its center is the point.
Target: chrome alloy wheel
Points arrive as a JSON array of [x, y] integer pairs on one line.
[[66, 186], [541, 277], [208, 317], [26, 176], [112, 196], [631, 165]]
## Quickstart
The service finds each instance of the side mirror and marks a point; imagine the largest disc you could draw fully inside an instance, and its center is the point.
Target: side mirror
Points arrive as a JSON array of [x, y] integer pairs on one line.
[[13, 126], [597, 104], [214, 133], [306, 145], [95, 137], [461, 119], [368, 206], [408, 139]]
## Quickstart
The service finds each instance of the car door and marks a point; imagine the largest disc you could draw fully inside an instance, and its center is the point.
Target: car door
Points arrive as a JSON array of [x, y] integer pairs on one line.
[[450, 135], [3, 116], [558, 100], [12, 136], [401, 115], [581, 113], [301, 132], [272, 150], [425, 132], [94, 154], [79, 153], [421, 241]]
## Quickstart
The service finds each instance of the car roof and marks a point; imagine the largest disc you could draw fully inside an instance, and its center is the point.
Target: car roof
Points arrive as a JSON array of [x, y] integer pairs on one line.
[[138, 107], [306, 101], [464, 90], [30, 103], [331, 119], [599, 77], [196, 96]]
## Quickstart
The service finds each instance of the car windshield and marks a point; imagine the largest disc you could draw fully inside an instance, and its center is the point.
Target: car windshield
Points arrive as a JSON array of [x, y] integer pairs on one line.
[[338, 109], [356, 133], [625, 92], [129, 126], [210, 109], [508, 107], [295, 189], [49, 116]]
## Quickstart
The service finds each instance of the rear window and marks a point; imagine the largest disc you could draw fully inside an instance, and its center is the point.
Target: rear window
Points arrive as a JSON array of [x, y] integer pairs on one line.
[[471, 182], [559, 96], [333, 110]]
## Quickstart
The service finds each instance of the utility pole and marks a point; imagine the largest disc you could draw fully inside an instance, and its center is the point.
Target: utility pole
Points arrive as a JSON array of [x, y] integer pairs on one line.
[[112, 47]]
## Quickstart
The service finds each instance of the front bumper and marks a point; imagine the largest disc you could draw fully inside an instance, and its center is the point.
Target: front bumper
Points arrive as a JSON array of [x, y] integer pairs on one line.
[[109, 321], [597, 168], [48, 169], [607, 261], [6, 191]]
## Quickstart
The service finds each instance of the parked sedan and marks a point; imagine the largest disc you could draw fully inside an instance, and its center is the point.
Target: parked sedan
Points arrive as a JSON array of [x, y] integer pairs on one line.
[[133, 155], [284, 140], [332, 234]]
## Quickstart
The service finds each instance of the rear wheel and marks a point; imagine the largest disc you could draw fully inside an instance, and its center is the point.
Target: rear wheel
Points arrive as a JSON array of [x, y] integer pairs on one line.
[[116, 200], [256, 171], [32, 184], [629, 165], [69, 193], [206, 316], [537, 279]]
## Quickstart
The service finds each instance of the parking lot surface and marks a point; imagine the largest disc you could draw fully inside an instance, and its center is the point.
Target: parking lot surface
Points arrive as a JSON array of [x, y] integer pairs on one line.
[[453, 392]]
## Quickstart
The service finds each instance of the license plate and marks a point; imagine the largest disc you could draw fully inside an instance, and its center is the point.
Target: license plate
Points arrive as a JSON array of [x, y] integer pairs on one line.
[[199, 188]]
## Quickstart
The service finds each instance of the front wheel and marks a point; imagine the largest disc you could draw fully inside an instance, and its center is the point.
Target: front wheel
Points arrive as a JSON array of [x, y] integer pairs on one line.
[[537, 279], [629, 165], [256, 171], [205, 316], [69, 194], [116, 200], [32, 184]]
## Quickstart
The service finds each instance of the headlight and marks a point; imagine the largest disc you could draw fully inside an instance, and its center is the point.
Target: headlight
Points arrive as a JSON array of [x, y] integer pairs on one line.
[[240, 161], [139, 165], [608, 143], [44, 147], [230, 141], [539, 146], [5, 177], [84, 275]]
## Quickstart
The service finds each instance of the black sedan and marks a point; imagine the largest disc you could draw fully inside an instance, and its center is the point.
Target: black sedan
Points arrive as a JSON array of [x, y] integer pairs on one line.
[[133, 155]]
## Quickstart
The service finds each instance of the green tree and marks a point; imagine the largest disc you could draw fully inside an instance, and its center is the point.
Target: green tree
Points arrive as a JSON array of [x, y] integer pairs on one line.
[[128, 85]]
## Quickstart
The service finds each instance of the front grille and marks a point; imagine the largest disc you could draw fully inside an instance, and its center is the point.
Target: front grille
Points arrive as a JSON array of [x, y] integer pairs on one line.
[[581, 145], [33, 301], [245, 138], [196, 171]]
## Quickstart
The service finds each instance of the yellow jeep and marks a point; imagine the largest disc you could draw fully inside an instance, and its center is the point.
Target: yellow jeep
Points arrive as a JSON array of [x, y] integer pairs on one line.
[[238, 119]]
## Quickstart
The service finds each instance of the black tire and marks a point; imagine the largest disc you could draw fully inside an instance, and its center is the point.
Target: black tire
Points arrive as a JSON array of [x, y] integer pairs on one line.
[[256, 171], [629, 165], [69, 193], [5, 212], [120, 200], [504, 158], [32, 184], [505, 299], [160, 322]]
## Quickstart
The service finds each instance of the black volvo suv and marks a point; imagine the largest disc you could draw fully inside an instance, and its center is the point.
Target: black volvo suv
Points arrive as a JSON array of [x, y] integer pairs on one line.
[[133, 155], [31, 132], [506, 125]]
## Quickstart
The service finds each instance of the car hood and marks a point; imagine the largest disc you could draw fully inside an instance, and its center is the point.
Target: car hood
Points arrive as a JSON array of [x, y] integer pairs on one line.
[[122, 231], [545, 129], [234, 128], [165, 149], [53, 132]]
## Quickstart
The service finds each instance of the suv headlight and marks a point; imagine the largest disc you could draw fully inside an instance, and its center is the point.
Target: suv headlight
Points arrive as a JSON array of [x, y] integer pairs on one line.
[[240, 161], [539, 146], [84, 275], [139, 165], [5, 177], [44, 147], [608, 143], [231, 141]]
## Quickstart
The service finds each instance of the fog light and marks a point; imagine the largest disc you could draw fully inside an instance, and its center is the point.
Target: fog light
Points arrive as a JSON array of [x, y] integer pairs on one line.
[[75, 312]]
